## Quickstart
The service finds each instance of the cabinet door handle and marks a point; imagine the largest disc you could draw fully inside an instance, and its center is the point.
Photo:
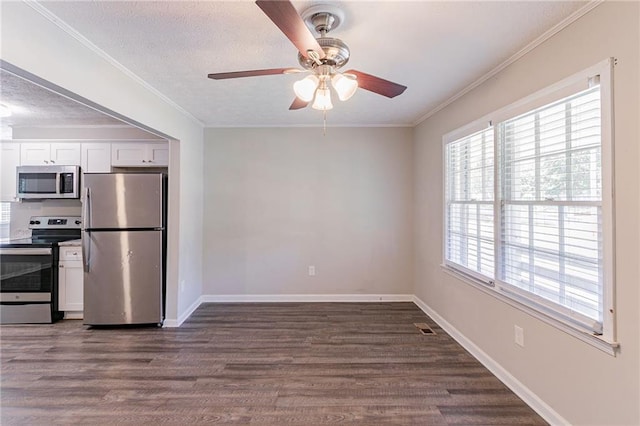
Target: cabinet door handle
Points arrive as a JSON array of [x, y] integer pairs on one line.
[[47, 162], [60, 266]]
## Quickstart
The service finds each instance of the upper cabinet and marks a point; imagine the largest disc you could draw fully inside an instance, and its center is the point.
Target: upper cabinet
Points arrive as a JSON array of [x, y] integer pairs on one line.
[[139, 154], [56, 154], [96, 157], [9, 160]]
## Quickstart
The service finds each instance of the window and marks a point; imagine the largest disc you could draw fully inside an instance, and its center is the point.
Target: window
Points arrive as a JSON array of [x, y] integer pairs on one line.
[[535, 225], [5, 211], [470, 198]]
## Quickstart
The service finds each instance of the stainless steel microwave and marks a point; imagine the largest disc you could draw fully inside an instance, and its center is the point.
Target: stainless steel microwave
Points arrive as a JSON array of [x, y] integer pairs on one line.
[[48, 181]]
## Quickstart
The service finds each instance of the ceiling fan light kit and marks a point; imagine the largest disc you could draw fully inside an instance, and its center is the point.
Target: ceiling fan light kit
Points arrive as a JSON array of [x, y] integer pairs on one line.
[[305, 88], [345, 85], [322, 56], [323, 99]]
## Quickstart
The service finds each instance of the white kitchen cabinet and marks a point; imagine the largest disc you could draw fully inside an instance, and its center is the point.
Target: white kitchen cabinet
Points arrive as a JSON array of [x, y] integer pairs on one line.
[[52, 154], [71, 282], [128, 154], [9, 160], [96, 157], [35, 154]]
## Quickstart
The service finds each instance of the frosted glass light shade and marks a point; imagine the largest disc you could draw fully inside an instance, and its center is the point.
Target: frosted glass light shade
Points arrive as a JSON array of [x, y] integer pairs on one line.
[[323, 100], [305, 88], [346, 86]]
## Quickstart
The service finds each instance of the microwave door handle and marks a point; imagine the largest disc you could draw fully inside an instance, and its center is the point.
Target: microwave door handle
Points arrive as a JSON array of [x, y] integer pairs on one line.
[[59, 183]]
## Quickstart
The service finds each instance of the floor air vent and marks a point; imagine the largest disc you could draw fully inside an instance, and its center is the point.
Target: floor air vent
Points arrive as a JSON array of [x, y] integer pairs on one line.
[[424, 328]]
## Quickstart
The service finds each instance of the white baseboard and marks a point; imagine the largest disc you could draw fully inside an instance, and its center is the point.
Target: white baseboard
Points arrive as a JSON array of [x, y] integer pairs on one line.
[[275, 298], [169, 323], [530, 398], [269, 298], [73, 315]]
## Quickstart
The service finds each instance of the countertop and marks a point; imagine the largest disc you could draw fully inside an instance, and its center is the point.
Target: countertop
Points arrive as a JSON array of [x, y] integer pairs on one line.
[[72, 243]]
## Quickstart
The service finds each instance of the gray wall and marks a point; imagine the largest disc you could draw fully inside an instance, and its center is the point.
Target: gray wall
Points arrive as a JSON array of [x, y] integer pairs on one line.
[[583, 384], [279, 200]]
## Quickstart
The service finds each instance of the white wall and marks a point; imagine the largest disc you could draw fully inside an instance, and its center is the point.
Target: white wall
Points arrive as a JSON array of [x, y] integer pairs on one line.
[[22, 212], [279, 200], [35, 44], [581, 383]]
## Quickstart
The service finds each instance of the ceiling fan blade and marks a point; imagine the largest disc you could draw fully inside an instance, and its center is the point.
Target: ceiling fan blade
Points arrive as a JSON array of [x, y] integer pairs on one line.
[[298, 104], [377, 85], [251, 73], [286, 17]]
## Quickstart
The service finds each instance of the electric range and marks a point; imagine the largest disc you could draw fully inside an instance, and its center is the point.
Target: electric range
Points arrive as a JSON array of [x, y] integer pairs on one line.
[[29, 271]]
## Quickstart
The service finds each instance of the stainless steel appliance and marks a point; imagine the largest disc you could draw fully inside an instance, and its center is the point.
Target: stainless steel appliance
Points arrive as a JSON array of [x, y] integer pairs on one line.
[[123, 242], [48, 181], [29, 271]]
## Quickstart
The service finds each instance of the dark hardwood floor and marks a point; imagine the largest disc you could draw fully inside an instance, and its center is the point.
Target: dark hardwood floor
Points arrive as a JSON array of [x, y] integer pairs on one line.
[[272, 364]]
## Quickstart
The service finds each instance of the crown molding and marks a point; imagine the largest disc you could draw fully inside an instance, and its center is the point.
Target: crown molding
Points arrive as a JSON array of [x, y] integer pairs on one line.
[[305, 126], [46, 13], [519, 54]]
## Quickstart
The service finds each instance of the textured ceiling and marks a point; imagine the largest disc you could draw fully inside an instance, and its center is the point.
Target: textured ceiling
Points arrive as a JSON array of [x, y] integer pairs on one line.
[[436, 48], [32, 105]]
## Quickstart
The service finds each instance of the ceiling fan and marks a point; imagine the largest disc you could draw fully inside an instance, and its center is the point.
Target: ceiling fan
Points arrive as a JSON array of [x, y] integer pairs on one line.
[[322, 56]]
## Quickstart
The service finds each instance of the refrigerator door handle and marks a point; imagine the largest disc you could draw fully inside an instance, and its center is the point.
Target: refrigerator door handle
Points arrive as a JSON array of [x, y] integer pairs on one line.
[[87, 208], [86, 240], [86, 250]]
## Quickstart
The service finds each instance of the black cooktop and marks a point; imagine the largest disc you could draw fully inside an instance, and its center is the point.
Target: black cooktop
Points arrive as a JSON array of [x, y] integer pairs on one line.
[[37, 242], [47, 231]]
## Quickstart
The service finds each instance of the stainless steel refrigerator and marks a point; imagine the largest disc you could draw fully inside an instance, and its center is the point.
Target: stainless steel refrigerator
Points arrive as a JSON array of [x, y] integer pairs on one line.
[[123, 241]]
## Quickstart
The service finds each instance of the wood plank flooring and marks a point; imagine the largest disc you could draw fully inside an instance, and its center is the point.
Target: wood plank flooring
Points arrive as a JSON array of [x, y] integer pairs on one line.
[[267, 364]]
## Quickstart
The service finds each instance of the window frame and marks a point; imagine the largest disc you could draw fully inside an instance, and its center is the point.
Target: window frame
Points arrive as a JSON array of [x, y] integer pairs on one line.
[[473, 130], [550, 312]]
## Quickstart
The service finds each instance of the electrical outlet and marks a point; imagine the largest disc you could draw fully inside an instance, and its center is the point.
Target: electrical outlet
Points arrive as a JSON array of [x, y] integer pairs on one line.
[[519, 335], [312, 270]]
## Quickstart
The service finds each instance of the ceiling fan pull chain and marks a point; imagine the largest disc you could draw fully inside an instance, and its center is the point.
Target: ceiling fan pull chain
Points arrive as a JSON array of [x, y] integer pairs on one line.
[[324, 123]]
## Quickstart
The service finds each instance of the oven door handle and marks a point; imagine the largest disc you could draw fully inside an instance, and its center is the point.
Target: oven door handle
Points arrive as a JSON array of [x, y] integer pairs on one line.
[[25, 251]]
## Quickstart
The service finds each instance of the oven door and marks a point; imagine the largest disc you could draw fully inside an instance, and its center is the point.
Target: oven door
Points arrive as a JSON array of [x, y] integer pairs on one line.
[[27, 286]]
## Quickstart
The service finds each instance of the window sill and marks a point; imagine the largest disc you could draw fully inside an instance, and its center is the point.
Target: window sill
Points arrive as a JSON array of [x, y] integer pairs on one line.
[[598, 342]]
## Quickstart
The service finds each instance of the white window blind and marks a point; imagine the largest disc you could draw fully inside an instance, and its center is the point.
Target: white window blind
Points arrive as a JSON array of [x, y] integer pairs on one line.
[[5, 217], [551, 205], [5, 211], [469, 192], [528, 206]]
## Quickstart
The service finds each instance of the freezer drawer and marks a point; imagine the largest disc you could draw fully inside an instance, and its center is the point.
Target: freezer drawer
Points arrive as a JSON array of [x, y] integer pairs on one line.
[[122, 277]]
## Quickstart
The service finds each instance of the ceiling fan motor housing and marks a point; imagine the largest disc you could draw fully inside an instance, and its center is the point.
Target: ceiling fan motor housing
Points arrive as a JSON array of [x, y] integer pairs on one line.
[[336, 54]]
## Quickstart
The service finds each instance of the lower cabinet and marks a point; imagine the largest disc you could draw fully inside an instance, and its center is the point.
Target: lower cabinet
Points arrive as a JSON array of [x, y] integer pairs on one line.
[[70, 282]]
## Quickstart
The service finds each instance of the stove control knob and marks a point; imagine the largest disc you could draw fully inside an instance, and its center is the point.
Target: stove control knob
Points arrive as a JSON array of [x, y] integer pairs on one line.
[[32, 222], [78, 222], [37, 222]]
